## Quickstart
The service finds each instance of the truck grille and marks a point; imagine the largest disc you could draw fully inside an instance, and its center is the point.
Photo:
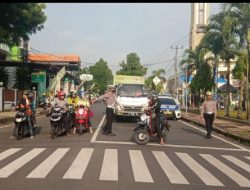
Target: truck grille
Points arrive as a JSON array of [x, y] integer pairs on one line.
[[132, 108]]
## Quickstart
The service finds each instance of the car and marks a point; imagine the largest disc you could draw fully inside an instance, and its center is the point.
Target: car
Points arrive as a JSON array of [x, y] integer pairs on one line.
[[170, 107]]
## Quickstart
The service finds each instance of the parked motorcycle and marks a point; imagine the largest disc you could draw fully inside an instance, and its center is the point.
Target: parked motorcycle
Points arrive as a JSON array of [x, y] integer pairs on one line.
[[146, 128], [56, 122]]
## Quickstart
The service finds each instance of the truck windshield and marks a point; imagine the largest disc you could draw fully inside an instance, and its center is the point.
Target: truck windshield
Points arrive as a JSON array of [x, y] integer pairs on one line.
[[131, 90]]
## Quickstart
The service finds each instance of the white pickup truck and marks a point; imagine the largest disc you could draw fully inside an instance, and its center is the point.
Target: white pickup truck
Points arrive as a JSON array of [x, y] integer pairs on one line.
[[131, 95]]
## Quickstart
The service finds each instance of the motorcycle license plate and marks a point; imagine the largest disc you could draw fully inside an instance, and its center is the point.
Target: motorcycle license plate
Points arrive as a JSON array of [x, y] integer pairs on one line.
[[56, 114], [18, 119]]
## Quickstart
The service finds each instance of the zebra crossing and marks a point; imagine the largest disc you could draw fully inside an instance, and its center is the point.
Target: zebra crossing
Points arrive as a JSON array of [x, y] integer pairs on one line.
[[227, 165]]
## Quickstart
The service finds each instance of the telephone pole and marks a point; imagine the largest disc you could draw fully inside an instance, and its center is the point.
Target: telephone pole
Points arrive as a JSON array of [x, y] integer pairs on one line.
[[175, 67]]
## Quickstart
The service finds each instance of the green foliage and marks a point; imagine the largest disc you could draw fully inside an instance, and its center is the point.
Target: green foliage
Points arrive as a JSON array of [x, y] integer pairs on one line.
[[22, 78], [132, 66], [20, 20], [240, 68], [4, 76], [102, 76]]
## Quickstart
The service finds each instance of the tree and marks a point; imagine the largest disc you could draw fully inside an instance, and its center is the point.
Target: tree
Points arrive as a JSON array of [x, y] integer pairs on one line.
[[150, 84], [224, 24], [19, 20], [22, 78], [4, 76], [132, 67], [239, 72], [102, 75]]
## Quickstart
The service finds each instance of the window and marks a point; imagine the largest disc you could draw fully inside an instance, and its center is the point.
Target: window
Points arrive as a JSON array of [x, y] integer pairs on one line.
[[201, 13]]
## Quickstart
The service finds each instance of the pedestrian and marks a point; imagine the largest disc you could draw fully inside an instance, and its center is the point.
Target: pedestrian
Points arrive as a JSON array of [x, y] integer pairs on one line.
[[209, 113], [111, 102]]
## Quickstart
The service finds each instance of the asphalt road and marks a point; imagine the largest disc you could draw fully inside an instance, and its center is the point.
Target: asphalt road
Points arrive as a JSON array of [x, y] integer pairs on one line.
[[94, 161]]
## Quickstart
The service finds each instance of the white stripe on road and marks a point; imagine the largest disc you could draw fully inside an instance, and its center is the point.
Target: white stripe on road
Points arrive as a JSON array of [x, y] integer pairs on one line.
[[79, 165], [8, 152], [93, 139], [173, 174], [235, 176], [46, 166], [18, 163], [247, 157], [199, 170], [110, 165], [139, 166], [238, 162], [238, 146], [14, 123]]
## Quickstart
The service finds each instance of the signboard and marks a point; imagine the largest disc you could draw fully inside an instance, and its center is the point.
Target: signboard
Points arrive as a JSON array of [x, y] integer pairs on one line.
[[15, 53], [156, 80], [125, 79], [86, 77], [40, 79]]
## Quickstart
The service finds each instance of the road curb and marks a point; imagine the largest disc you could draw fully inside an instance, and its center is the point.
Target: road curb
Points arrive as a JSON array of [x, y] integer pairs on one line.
[[242, 140]]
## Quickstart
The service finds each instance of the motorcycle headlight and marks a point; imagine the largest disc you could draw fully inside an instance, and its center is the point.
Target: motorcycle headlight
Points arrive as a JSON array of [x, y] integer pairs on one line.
[[143, 117]]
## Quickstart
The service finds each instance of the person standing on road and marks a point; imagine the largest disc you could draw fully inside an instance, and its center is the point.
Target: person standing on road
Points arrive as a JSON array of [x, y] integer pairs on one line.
[[209, 113], [110, 99]]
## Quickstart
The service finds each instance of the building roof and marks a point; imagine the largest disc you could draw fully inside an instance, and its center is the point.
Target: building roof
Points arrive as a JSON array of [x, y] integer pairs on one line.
[[223, 88], [54, 58]]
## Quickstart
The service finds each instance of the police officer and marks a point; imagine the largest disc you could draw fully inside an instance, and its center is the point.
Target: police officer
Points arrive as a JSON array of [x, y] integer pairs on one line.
[[110, 99], [209, 113]]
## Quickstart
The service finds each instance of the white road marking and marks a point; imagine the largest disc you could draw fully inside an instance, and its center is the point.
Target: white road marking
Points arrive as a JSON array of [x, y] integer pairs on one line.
[[14, 123], [171, 145], [79, 165], [18, 163], [139, 166], [47, 165], [247, 157], [235, 176], [199, 170], [109, 169], [8, 152], [238, 146], [238, 162], [173, 174], [93, 139]]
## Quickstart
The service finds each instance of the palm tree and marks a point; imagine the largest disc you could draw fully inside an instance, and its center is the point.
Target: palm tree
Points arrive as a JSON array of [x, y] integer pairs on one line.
[[224, 25], [4, 76]]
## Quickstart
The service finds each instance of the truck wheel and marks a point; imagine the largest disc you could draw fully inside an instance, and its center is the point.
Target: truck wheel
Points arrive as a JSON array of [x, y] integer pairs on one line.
[[141, 137], [117, 118]]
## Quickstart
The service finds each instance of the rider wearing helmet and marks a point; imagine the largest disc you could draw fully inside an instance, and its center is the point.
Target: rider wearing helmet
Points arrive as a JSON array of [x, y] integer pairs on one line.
[[24, 105], [60, 102], [155, 105], [73, 99]]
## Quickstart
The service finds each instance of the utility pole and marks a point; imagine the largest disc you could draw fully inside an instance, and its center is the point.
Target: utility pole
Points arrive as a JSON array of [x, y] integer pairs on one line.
[[175, 67]]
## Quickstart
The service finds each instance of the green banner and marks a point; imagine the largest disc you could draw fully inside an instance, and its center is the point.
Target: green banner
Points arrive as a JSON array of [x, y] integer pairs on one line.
[[40, 79], [15, 53]]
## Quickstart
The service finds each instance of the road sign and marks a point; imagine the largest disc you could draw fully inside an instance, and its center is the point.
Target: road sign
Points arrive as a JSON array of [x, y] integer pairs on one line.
[[156, 80], [86, 77]]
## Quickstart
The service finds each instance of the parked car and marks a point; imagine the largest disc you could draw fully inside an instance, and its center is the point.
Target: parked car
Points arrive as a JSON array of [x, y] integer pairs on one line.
[[170, 107]]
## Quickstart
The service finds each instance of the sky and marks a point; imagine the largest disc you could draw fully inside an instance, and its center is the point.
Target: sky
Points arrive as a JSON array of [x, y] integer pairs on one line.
[[113, 30]]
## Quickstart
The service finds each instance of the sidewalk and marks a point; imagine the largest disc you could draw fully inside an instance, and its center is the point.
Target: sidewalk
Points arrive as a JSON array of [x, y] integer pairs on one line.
[[238, 130], [8, 116]]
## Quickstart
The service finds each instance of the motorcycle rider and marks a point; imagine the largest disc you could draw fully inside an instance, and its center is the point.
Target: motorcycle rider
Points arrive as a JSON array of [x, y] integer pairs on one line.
[[154, 105], [62, 103], [73, 98], [24, 105], [33, 108]]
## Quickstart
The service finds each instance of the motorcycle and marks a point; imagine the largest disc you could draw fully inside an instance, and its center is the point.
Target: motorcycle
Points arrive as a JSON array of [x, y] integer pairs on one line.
[[56, 122], [43, 104], [146, 128], [82, 116], [21, 124]]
